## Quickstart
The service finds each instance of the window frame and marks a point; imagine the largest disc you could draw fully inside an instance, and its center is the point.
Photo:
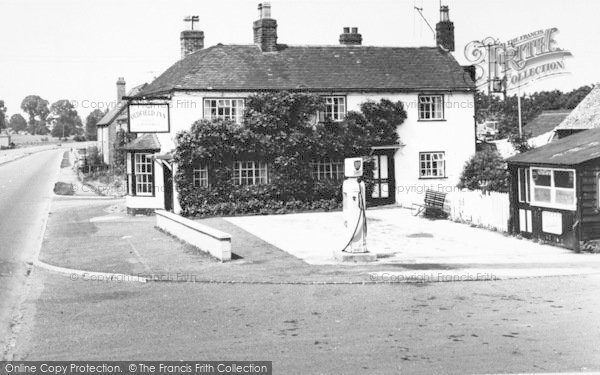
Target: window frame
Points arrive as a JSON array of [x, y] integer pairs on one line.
[[553, 189], [432, 111], [527, 186], [322, 114], [320, 174], [209, 117], [425, 177], [200, 169], [134, 175], [257, 179]]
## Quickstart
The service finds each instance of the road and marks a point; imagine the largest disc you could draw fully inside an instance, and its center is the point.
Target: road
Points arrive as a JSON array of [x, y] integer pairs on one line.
[[25, 191], [526, 325]]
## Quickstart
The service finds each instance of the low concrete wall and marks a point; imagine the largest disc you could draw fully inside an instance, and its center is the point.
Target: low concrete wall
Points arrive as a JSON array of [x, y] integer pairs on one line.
[[213, 241]]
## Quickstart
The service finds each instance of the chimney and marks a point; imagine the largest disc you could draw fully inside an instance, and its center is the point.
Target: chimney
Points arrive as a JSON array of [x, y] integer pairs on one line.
[[350, 37], [191, 40], [120, 89], [444, 30], [265, 29]]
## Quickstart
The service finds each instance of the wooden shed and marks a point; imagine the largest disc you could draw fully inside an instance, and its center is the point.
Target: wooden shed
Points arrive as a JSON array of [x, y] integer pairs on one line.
[[554, 190]]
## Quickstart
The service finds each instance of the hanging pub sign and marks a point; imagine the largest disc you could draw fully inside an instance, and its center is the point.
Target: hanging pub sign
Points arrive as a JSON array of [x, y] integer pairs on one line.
[[149, 118], [517, 62]]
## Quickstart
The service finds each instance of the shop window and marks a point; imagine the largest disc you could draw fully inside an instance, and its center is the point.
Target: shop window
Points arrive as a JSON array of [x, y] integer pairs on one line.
[[553, 188]]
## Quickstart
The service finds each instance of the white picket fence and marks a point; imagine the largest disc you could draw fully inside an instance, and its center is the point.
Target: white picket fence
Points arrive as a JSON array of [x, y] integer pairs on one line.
[[489, 210]]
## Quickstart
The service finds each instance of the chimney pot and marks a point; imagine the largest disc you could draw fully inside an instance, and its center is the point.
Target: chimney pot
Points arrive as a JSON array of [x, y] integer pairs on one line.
[[265, 29], [120, 89], [444, 30], [350, 37]]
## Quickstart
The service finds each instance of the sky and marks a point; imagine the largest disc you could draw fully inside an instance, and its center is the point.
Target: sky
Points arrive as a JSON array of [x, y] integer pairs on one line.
[[76, 50]]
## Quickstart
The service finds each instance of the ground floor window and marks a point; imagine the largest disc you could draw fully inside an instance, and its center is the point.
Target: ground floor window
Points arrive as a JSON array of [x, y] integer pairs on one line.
[[250, 173], [553, 187], [141, 174], [200, 178], [327, 170], [523, 177], [432, 164]]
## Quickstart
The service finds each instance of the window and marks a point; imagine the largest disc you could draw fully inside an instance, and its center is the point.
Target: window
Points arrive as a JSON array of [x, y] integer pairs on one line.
[[224, 109], [335, 108], [249, 173], [143, 174], [431, 107], [523, 177], [327, 170], [553, 187], [432, 165], [200, 178]]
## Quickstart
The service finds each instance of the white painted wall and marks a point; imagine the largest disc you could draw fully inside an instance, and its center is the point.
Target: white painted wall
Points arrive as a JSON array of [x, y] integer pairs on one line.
[[103, 142], [158, 200], [455, 135]]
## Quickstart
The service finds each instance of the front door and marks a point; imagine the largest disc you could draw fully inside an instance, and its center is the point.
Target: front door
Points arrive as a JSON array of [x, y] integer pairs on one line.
[[168, 179], [383, 179]]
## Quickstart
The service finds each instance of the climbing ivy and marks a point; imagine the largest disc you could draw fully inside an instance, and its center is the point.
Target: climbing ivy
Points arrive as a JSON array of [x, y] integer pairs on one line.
[[280, 129]]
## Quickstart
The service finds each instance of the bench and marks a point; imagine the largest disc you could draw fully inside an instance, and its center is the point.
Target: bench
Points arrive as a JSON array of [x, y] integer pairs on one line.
[[433, 204]]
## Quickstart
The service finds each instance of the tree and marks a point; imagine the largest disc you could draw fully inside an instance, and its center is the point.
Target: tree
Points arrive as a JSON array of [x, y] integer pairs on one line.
[[3, 124], [17, 123], [90, 124], [37, 109], [68, 121], [485, 170]]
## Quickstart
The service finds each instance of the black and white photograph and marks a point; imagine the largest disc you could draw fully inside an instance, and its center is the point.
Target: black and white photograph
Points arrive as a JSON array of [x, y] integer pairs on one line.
[[299, 187]]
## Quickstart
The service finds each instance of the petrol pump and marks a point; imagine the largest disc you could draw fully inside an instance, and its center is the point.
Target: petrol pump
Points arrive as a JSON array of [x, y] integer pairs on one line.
[[354, 206]]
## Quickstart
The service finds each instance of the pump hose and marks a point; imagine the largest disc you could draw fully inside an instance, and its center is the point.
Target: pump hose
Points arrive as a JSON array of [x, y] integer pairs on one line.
[[363, 216]]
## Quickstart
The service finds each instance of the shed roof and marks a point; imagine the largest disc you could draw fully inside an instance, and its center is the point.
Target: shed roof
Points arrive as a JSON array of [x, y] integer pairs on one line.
[[572, 150], [586, 115], [317, 68], [545, 122]]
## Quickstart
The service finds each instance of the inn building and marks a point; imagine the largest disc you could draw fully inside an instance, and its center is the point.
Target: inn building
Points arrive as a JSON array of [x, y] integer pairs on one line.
[[436, 139]]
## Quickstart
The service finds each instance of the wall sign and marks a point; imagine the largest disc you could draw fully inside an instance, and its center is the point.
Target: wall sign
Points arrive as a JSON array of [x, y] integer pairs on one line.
[[149, 118]]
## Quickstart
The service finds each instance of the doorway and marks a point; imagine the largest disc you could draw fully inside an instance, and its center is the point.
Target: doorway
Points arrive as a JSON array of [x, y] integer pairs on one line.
[[384, 187], [168, 180]]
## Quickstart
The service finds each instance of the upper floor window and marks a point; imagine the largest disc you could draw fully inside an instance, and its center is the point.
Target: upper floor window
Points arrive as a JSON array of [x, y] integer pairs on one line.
[[249, 173], [224, 109], [431, 107], [432, 165], [327, 170], [200, 178], [335, 108], [553, 187]]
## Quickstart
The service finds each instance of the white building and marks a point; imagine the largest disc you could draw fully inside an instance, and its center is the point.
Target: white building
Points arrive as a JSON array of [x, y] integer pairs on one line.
[[436, 139]]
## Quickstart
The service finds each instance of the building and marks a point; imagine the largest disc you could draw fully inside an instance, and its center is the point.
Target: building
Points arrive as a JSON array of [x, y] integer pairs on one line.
[[583, 117], [437, 138], [113, 121], [541, 129], [555, 190]]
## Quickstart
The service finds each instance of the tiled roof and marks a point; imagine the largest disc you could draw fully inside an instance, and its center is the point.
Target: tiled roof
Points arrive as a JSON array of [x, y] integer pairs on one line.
[[545, 122], [342, 68], [119, 112], [586, 115], [146, 142], [571, 150]]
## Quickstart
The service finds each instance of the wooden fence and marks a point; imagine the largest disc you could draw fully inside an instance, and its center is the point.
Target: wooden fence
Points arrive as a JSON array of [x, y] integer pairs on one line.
[[489, 210]]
